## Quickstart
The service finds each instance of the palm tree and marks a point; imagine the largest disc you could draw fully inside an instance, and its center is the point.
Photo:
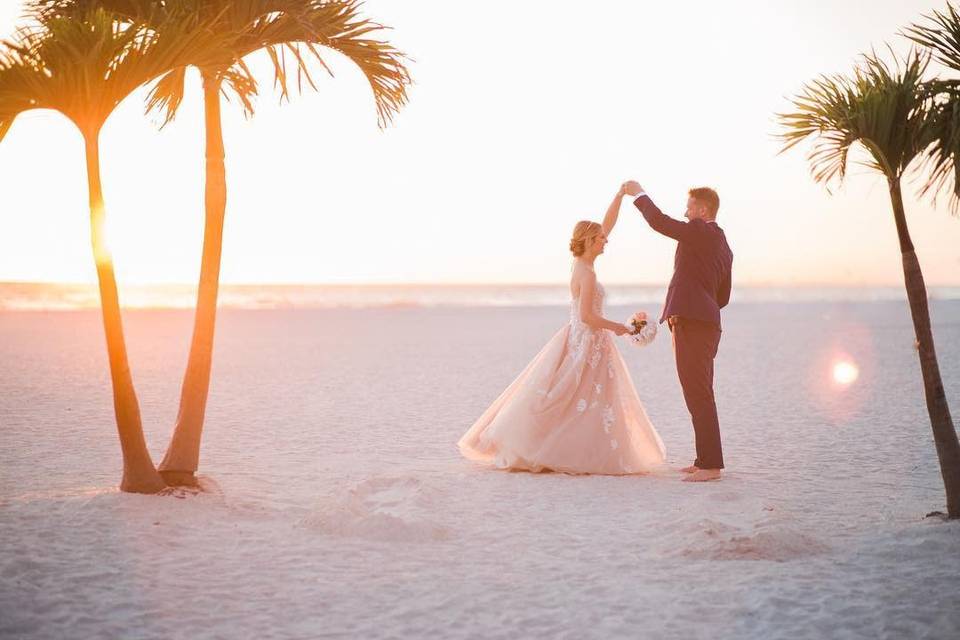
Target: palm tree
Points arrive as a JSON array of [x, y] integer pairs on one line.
[[84, 67], [887, 111], [279, 27]]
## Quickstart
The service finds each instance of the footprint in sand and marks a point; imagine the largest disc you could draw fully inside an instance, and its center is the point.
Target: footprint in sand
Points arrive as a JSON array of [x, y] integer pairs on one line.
[[391, 509]]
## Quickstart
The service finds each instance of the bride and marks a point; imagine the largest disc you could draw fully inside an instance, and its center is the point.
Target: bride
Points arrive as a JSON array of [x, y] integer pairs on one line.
[[574, 408]]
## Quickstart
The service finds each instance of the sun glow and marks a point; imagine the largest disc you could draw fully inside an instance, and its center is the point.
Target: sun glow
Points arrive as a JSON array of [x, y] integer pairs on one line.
[[304, 174], [101, 232], [845, 372]]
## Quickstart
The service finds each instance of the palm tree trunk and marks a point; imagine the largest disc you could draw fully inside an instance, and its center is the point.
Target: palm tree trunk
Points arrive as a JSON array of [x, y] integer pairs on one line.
[[183, 455], [139, 474], [944, 434]]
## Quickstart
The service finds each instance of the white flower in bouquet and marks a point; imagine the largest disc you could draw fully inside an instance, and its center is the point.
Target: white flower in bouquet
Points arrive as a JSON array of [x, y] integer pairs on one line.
[[643, 332]]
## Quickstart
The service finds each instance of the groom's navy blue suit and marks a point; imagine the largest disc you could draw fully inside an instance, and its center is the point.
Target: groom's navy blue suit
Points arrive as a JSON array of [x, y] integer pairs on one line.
[[700, 287]]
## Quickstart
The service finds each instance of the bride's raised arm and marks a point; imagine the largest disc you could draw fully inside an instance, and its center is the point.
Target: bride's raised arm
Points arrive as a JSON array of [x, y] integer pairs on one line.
[[613, 212]]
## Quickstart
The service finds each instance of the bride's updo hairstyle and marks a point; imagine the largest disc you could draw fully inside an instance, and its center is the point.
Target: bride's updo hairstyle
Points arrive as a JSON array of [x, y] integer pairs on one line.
[[584, 230]]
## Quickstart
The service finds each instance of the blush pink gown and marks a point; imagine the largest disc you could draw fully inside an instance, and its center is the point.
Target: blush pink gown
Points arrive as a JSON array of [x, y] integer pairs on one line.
[[574, 409]]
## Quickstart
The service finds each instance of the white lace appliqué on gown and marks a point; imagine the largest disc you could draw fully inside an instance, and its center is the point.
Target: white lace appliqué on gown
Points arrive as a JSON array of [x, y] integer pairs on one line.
[[573, 409]]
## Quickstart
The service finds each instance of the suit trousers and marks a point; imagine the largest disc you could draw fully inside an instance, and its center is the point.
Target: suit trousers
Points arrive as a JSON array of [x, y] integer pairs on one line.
[[695, 346]]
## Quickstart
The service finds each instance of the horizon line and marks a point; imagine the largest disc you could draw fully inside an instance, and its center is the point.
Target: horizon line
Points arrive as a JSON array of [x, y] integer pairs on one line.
[[475, 283]]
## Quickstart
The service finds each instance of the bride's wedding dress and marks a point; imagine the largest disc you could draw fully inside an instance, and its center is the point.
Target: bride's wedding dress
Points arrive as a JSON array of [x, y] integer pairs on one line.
[[573, 409]]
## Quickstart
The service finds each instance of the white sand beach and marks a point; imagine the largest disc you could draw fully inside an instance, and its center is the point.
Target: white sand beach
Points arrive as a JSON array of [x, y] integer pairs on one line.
[[340, 508]]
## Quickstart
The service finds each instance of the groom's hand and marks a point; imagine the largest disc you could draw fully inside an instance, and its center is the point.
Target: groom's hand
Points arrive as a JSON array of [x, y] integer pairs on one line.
[[632, 188]]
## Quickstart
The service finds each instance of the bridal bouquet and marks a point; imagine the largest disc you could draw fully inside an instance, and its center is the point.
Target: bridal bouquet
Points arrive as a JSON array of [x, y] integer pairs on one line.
[[643, 332]]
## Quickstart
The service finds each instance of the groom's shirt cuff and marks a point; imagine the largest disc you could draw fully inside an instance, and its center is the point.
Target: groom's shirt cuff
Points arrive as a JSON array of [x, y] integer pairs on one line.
[[640, 195]]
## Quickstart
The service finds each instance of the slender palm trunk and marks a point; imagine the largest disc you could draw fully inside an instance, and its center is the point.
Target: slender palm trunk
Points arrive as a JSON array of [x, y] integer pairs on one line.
[[944, 434], [183, 455], [139, 474]]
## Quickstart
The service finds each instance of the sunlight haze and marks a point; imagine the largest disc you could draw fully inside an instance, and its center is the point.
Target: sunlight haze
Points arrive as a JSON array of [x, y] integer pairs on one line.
[[523, 118]]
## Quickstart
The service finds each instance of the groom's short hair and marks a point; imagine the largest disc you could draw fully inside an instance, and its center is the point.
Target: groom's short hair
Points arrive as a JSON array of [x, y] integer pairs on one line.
[[707, 196]]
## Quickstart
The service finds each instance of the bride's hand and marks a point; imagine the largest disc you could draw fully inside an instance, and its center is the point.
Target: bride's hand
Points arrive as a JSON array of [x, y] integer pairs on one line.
[[631, 187], [622, 330]]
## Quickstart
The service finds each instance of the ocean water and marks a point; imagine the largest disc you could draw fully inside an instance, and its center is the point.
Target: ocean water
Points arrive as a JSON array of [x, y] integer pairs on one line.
[[37, 296]]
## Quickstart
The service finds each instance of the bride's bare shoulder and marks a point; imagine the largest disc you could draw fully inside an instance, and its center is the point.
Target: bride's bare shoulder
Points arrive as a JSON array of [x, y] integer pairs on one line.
[[582, 271], [582, 277]]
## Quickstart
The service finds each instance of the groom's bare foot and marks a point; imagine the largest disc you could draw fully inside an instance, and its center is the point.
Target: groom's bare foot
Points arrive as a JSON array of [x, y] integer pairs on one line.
[[703, 475], [691, 469]]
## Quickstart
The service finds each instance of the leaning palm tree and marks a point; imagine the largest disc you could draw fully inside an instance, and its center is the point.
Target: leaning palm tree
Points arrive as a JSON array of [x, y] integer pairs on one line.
[[886, 110], [84, 67], [300, 29]]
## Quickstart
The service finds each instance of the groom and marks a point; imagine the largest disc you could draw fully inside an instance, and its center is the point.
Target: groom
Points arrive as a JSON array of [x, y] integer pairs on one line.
[[700, 287]]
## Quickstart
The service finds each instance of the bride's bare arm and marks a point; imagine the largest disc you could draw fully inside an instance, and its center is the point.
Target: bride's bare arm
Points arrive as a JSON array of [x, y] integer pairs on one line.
[[588, 285], [613, 212]]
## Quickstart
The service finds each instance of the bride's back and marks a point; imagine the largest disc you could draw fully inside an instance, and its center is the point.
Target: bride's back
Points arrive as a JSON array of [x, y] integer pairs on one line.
[[580, 280]]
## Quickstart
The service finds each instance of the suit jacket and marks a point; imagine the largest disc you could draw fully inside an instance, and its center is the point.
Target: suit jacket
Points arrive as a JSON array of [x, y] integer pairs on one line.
[[702, 266]]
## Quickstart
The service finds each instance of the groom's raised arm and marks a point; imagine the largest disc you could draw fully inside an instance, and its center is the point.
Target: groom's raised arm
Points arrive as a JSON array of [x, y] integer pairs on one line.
[[660, 222]]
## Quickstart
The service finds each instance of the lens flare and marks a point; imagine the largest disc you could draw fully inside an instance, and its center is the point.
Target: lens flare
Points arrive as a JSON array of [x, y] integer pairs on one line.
[[845, 373]]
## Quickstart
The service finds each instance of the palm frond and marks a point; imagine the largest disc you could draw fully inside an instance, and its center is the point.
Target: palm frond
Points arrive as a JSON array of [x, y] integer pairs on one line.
[[940, 36], [300, 29], [167, 94], [882, 107], [282, 26], [241, 85], [84, 63], [44, 10], [16, 94]]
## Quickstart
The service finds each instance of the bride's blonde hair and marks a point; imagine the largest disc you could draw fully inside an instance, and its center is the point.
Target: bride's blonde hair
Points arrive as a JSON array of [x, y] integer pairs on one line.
[[583, 231]]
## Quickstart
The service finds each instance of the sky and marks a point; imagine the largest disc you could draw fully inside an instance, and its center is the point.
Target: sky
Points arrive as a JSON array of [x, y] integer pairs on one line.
[[524, 117]]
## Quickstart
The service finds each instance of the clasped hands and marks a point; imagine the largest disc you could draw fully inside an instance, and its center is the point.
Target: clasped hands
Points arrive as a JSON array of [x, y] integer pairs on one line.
[[630, 188]]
